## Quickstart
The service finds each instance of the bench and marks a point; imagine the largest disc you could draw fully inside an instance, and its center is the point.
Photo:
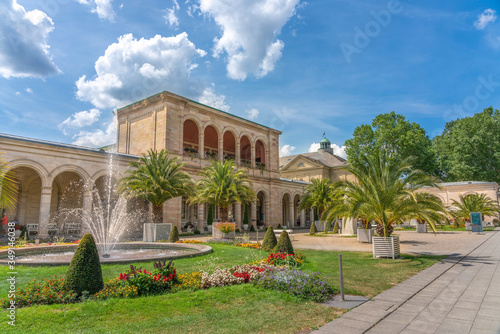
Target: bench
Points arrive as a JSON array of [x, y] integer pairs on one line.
[[290, 233]]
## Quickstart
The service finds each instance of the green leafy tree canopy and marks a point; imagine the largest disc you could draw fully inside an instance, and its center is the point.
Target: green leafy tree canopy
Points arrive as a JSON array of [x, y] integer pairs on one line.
[[394, 137]]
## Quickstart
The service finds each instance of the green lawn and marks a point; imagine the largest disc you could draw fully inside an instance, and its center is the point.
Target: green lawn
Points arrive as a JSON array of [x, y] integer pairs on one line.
[[451, 228], [232, 309]]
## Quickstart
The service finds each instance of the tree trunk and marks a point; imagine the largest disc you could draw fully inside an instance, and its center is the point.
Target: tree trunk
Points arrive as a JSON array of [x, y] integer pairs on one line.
[[224, 214], [365, 225], [336, 227], [157, 214], [380, 230]]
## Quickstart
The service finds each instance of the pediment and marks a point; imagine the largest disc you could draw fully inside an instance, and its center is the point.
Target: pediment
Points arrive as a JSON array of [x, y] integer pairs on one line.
[[301, 162]]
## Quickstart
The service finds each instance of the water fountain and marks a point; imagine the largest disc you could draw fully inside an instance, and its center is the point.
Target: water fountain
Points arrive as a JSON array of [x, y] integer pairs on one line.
[[107, 218]]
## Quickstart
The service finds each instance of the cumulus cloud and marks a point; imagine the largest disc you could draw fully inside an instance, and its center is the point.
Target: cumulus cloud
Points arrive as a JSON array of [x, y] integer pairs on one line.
[[171, 15], [485, 18], [249, 33], [24, 50], [337, 150], [97, 138], [29, 90], [103, 8], [286, 150], [133, 69], [80, 119], [252, 114]]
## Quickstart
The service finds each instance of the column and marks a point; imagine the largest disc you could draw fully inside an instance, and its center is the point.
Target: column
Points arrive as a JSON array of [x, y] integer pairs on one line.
[[237, 214], [253, 156], [201, 215], [253, 214], [87, 207], [238, 153], [350, 226], [221, 149], [291, 215], [201, 145], [43, 218], [302, 218]]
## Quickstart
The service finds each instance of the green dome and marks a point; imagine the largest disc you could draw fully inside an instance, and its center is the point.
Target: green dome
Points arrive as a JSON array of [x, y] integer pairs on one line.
[[325, 141]]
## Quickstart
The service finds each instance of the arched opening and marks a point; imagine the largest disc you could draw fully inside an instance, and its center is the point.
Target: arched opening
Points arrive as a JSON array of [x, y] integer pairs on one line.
[[229, 146], [296, 212], [27, 210], [285, 205], [260, 155], [190, 137], [245, 152], [261, 208], [211, 143], [66, 202]]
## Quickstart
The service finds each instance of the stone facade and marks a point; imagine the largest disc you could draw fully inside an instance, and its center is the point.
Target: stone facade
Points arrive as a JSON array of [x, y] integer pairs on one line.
[[54, 176]]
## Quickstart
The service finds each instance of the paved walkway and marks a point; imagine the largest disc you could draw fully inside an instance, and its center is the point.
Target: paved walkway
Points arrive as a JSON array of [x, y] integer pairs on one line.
[[460, 294]]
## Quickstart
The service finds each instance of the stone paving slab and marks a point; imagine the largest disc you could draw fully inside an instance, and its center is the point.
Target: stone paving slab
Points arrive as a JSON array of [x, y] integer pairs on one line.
[[349, 302], [460, 294]]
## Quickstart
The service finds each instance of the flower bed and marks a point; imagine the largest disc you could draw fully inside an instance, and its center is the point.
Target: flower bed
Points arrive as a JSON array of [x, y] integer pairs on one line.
[[189, 242]]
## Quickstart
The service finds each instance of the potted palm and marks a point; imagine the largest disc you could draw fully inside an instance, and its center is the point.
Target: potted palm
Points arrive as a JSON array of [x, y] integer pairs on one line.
[[318, 196], [156, 177], [461, 209], [222, 185], [387, 189]]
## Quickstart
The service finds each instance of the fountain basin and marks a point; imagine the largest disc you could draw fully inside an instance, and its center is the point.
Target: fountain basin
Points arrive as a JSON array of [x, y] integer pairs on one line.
[[123, 253]]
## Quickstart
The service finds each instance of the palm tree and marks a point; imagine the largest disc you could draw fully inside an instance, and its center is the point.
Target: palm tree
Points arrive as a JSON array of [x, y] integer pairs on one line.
[[222, 185], [157, 178], [8, 187], [427, 208], [461, 209], [386, 191], [318, 196]]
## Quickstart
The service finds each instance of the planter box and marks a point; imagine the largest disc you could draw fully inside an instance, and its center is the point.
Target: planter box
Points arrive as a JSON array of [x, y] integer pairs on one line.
[[320, 225], [153, 232], [245, 227], [386, 247], [421, 228], [218, 234], [365, 235]]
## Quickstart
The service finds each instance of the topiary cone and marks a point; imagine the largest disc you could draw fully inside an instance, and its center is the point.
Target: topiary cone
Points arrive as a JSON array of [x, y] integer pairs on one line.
[[284, 244], [269, 239], [174, 235], [336, 227], [84, 272], [313, 230]]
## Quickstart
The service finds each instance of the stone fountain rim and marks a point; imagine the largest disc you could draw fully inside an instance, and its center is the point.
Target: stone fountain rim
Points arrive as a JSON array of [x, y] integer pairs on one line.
[[200, 250]]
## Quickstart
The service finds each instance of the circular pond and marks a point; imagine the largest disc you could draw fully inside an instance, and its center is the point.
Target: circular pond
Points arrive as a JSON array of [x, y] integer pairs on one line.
[[122, 253]]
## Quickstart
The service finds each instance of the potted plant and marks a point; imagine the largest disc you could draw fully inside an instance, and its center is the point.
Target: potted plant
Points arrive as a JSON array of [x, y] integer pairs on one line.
[[227, 229], [365, 232], [421, 226], [210, 218]]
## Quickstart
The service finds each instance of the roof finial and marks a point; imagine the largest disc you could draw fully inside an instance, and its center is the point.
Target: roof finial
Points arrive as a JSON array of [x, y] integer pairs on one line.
[[324, 134]]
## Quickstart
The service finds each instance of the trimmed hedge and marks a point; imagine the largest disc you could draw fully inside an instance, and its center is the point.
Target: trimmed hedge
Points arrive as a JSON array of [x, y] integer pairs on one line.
[[174, 235], [210, 215], [246, 217], [270, 240], [84, 272], [284, 244]]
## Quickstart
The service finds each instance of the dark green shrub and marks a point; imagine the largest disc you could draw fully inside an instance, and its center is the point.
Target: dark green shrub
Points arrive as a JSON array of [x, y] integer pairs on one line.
[[237, 230], [210, 216], [84, 272], [174, 235], [313, 230], [284, 244], [252, 228], [336, 227], [279, 227], [196, 232], [270, 240], [246, 217]]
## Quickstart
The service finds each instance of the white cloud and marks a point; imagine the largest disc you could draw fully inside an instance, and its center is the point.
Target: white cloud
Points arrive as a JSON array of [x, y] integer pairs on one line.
[[171, 15], [313, 148], [103, 8], [286, 150], [485, 18], [80, 119], [24, 50], [97, 138], [29, 90], [337, 150], [132, 69], [249, 33], [18, 93], [252, 114]]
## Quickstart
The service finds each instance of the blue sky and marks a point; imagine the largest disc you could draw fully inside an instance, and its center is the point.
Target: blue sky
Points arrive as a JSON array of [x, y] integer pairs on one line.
[[302, 67]]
